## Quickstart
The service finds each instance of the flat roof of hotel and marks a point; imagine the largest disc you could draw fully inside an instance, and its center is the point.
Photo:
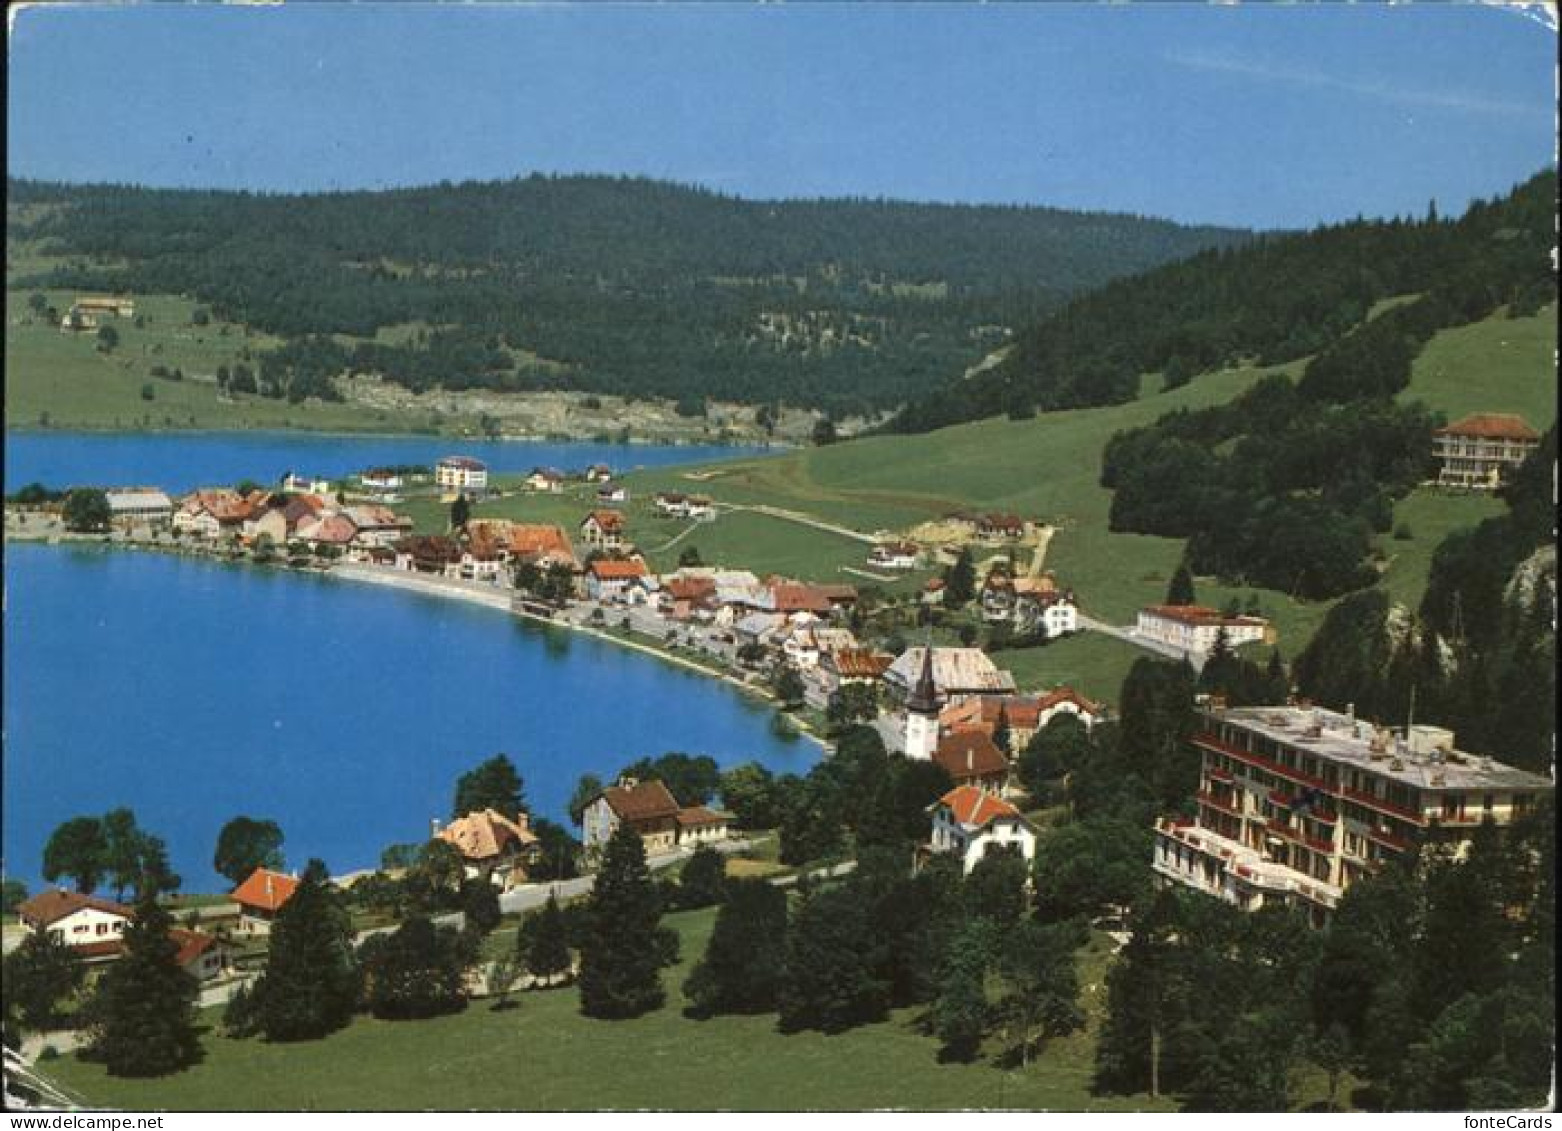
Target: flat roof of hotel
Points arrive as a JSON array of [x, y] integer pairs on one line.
[[1348, 741]]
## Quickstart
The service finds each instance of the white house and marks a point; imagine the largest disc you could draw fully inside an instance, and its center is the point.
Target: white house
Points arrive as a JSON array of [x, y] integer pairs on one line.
[[612, 493], [461, 473], [603, 530], [547, 479], [1193, 628], [76, 920], [698, 825], [608, 580], [380, 480], [970, 823], [139, 506], [293, 482], [894, 555]]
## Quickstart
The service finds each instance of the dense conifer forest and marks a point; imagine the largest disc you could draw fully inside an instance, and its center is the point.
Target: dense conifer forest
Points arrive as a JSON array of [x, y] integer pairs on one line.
[[608, 285], [1274, 299]]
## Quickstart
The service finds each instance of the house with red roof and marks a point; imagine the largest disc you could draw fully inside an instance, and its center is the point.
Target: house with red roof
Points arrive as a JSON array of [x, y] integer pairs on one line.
[[1479, 451], [497, 848], [77, 920], [260, 897], [609, 579], [651, 810], [1193, 629], [603, 530], [971, 757], [970, 823]]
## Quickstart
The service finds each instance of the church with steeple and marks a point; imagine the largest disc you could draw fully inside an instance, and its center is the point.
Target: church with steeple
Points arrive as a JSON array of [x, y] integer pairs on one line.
[[919, 735]]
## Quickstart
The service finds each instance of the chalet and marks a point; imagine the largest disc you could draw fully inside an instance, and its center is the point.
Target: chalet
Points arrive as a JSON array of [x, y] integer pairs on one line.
[[495, 847], [1193, 629], [1048, 608], [612, 493], [428, 553], [997, 597], [480, 563], [76, 920], [106, 305], [202, 956], [806, 643], [139, 506], [1000, 527], [787, 597], [698, 825], [260, 897], [609, 579], [687, 598], [215, 514], [381, 480], [933, 591], [1023, 714], [377, 525], [461, 475], [671, 504], [647, 807], [546, 479], [598, 473], [699, 507], [540, 544], [972, 758], [1480, 451], [971, 822], [329, 530], [957, 672], [293, 483], [894, 555], [603, 530], [841, 667]]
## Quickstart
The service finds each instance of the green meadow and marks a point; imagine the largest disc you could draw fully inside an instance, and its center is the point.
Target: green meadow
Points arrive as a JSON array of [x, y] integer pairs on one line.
[[543, 1055]]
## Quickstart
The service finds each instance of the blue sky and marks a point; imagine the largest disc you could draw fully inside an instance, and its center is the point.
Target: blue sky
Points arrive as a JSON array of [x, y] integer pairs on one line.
[[1246, 114]]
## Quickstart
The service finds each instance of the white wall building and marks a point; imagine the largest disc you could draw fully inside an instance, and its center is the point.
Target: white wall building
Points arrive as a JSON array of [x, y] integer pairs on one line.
[[970, 822], [1193, 628], [461, 473]]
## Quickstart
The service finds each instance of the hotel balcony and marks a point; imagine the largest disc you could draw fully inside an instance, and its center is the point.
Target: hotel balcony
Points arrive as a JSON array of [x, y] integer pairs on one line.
[[1232, 871]]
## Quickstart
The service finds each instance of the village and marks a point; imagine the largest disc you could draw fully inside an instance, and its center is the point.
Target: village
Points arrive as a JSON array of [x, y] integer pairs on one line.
[[1294, 802]]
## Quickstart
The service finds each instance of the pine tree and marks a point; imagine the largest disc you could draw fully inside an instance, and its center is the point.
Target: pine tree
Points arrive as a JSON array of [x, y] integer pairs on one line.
[[960, 581], [1003, 737], [620, 970], [145, 1006], [547, 948], [1180, 591], [310, 984], [460, 512], [830, 983], [742, 968], [961, 1010]]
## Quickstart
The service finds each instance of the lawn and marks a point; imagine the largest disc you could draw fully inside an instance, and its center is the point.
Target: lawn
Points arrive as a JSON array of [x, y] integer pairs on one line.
[[1089, 662], [1495, 365], [545, 1056], [65, 381]]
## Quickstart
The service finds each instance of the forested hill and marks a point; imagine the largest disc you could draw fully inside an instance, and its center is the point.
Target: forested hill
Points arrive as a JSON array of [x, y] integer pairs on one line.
[[1274, 299], [632, 286]]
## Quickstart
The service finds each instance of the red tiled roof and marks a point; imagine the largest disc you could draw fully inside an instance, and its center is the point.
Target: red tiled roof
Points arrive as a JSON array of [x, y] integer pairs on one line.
[[970, 754], [610, 521], [192, 944], [1491, 426], [484, 835], [1067, 695], [976, 807], [793, 597], [642, 801], [699, 815], [689, 588], [265, 890], [860, 663], [51, 906], [607, 569], [1199, 614]]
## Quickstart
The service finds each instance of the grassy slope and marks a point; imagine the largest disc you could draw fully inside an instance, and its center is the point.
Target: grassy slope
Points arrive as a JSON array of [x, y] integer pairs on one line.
[[65, 376], [1047, 469], [544, 1055]]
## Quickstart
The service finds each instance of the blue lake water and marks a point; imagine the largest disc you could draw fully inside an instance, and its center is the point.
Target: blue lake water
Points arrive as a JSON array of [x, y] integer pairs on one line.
[[182, 461], [192, 692]]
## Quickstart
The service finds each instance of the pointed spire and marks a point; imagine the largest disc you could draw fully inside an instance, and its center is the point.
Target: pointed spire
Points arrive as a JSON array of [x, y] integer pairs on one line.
[[924, 693]]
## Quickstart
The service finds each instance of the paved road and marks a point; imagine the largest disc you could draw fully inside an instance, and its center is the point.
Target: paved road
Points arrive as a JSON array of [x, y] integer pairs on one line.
[[530, 896], [1129, 636], [805, 520]]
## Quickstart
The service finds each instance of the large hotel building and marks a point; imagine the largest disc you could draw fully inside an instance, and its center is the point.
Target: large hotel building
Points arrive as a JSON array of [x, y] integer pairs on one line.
[[1296, 803]]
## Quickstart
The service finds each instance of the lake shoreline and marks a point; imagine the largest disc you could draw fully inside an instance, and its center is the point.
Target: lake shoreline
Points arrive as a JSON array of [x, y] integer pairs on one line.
[[767, 446], [450, 589]]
